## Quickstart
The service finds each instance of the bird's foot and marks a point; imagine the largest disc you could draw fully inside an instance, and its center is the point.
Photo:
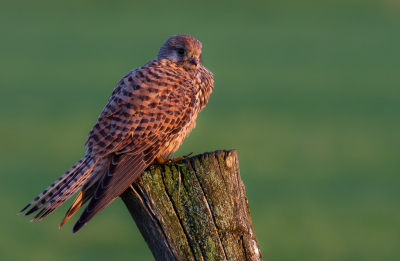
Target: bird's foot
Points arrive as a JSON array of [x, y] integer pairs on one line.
[[160, 161]]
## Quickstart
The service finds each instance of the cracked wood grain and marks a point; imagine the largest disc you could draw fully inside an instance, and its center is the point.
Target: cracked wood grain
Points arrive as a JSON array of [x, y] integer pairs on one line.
[[194, 210]]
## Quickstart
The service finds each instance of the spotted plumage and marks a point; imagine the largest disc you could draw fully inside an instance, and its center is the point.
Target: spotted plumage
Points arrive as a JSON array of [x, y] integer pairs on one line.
[[149, 113]]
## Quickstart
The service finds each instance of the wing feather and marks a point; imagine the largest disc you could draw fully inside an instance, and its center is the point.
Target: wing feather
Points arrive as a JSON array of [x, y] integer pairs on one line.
[[150, 100], [148, 109]]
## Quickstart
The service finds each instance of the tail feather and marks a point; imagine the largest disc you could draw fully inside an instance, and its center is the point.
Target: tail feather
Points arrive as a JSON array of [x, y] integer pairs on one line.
[[128, 168], [83, 196], [55, 183], [88, 189], [57, 202], [73, 184], [59, 190], [85, 182], [98, 171], [52, 194]]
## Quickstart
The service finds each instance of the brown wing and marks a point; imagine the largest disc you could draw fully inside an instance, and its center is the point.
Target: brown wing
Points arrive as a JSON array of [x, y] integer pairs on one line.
[[153, 104], [149, 101]]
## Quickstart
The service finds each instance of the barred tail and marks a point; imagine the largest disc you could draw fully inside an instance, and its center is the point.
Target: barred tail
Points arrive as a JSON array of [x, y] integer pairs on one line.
[[83, 196], [73, 186], [55, 183], [63, 188], [88, 189]]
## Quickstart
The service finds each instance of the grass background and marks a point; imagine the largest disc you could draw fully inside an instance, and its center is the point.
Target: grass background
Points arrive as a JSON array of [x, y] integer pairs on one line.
[[306, 91]]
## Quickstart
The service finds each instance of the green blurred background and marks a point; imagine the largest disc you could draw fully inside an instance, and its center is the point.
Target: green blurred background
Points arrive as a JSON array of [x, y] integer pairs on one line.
[[306, 91]]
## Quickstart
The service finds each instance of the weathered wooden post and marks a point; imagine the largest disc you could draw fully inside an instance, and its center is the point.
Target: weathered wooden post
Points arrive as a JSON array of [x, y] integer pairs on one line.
[[195, 210]]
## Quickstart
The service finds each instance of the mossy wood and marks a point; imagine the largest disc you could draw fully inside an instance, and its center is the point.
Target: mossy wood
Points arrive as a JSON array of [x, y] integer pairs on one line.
[[194, 210]]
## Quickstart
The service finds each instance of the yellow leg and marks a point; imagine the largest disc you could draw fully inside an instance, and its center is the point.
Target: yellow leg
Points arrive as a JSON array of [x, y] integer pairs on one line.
[[160, 161]]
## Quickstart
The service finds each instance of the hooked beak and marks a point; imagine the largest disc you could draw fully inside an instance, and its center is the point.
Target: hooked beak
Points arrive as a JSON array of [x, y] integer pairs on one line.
[[194, 60]]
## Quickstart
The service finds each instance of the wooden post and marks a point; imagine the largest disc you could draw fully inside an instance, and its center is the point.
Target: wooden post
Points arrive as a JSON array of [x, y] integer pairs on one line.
[[195, 210]]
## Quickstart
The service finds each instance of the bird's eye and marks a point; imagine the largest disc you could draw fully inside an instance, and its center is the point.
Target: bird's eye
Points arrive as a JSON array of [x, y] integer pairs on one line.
[[181, 52]]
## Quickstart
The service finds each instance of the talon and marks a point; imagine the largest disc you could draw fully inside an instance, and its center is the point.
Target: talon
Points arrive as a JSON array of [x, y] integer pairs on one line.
[[187, 156], [160, 161], [178, 159]]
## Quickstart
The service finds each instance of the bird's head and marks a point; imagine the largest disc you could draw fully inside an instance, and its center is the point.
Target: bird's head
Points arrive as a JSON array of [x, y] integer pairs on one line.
[[182, 49]]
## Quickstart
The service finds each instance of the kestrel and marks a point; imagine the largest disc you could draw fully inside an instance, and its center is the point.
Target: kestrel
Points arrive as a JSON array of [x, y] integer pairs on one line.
[[148, 115]]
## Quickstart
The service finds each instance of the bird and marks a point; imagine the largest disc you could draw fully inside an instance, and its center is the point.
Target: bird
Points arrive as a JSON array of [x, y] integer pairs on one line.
[[148, 115]]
